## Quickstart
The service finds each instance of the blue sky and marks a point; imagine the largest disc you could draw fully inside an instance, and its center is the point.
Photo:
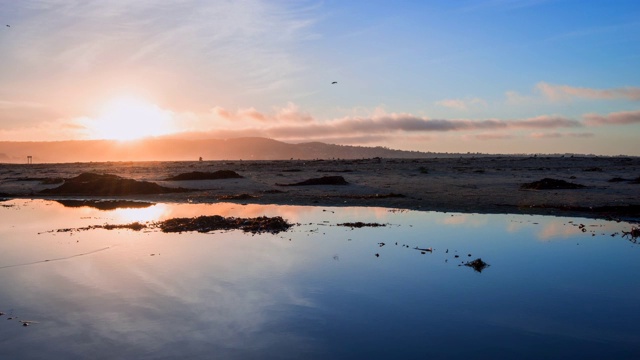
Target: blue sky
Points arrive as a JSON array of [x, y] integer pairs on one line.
[[498, 76]]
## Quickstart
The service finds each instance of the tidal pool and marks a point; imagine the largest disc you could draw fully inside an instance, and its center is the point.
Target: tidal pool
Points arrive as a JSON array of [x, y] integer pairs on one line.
[[556, 287]]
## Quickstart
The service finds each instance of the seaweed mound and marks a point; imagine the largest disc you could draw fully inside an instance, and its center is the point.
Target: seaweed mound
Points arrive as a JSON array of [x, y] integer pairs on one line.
[[199, 175], [477, 265], [551, 184], [205, 224], [242, 196], [325, 180], [108, 185]]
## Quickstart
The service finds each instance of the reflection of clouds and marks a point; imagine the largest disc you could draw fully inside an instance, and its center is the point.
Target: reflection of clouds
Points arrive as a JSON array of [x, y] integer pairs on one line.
[[471, 220], [555, 229], [514, 226], [226, 291]]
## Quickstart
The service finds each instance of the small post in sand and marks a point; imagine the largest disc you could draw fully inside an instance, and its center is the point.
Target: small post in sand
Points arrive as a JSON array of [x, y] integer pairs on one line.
[[29, 159]]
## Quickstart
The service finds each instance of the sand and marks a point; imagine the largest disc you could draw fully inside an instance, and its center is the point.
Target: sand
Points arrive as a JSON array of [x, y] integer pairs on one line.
[[486, 184]]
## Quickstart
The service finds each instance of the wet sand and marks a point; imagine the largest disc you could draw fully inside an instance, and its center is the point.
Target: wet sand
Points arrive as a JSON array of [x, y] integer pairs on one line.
[[457, 184]]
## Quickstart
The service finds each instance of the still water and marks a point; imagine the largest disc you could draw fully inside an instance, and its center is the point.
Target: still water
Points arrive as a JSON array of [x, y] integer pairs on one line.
[[556, 287]]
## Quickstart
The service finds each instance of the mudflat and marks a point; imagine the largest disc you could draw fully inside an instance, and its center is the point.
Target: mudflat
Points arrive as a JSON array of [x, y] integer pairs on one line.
[[592, 186]]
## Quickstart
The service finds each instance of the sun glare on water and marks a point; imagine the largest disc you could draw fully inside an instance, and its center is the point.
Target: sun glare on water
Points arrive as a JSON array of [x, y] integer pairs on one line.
[[128, 118]]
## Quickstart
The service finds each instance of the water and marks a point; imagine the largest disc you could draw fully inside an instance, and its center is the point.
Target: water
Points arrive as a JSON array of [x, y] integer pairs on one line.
[[317, 291]]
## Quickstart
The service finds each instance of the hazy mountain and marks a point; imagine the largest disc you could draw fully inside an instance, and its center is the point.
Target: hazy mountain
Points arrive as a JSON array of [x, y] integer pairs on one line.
[[179, 150]]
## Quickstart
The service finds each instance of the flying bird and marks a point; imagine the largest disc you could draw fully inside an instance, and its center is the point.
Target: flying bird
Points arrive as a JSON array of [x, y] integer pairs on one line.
[[335, 82], [8, 25]]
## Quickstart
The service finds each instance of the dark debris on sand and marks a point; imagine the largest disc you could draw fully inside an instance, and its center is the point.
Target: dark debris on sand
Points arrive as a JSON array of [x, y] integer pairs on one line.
[[205, 224], [551, 184], [93, 184], [477, 264], [199, 175], [325, 180]]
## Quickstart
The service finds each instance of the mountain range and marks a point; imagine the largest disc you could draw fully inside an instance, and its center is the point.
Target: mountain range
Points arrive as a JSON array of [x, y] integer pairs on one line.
[[254, 148]]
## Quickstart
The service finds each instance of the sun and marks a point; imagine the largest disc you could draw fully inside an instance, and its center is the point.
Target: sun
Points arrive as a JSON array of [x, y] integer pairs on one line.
[[129, 118]]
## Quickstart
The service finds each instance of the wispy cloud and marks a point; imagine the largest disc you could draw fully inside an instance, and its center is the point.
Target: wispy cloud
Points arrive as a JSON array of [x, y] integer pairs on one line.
[[617, 118], [230, 42], [7, 104], [494, 136], [288, 114], [558, 135], [565, 92], [462, 104]]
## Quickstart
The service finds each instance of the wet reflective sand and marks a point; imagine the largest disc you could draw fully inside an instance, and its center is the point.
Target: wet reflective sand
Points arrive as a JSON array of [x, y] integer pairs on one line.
[[555, 288]]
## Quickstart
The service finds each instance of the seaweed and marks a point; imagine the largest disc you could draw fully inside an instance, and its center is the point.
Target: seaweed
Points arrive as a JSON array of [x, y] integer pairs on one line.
[[204, 224], [551, 184], [199, 175], [108, 185], [477, 264]]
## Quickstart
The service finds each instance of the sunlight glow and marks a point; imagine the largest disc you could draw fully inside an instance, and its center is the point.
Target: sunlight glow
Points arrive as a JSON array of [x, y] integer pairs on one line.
[[153, 213], [128, 118]]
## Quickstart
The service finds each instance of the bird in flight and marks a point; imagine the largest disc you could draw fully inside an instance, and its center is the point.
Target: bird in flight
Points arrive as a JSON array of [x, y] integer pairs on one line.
[[335, 82], [8, 25]]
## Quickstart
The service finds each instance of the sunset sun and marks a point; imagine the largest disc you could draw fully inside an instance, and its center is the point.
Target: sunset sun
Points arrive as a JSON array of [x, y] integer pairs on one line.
[[128, 118]]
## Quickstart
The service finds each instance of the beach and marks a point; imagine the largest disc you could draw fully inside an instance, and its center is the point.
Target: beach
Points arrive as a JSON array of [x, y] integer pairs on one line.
[[605, 187]]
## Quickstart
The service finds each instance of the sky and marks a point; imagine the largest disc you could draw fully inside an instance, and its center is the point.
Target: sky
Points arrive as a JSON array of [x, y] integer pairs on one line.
[[491, 76]]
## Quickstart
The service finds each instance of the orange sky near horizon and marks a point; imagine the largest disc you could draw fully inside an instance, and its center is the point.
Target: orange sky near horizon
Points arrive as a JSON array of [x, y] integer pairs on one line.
[[406, 78]]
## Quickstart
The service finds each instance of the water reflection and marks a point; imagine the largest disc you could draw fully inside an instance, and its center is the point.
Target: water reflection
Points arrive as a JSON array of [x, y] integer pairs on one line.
[[317, 291]]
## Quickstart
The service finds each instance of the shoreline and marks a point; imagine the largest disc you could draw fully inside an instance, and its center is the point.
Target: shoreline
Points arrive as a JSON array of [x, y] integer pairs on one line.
[[466, 185]]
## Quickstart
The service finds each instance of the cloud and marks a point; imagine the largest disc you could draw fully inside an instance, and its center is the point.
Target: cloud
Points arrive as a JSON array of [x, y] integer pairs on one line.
[[453, 104], [515, 98], [217, 47], [8, 104], [388, 125], [57, 130], [617, 118], [557, 135], [288, 114], [460, 104], [494, 136], [564, 93]]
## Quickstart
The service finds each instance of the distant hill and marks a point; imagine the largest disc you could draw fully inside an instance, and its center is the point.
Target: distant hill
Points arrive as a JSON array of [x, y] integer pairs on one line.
[[184, 150]]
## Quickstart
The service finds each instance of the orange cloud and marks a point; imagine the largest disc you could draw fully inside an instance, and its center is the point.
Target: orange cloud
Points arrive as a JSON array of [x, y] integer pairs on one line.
[[289, 114]]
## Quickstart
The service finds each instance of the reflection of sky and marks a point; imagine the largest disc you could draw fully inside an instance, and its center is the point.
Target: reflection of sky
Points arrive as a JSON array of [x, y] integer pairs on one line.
[[316, 291]]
